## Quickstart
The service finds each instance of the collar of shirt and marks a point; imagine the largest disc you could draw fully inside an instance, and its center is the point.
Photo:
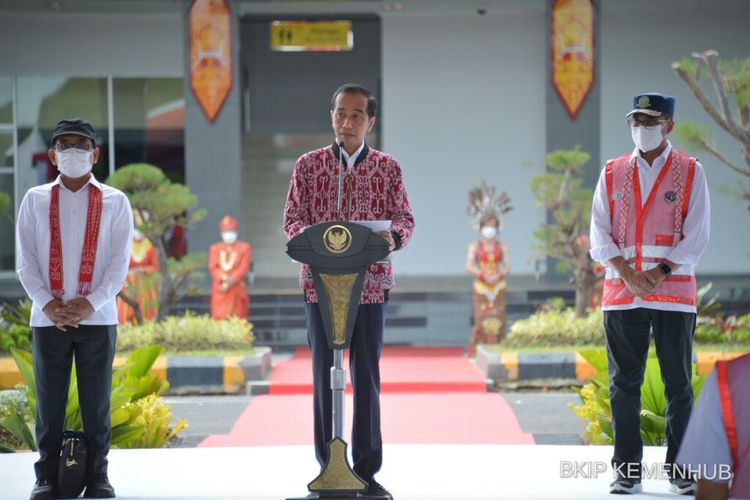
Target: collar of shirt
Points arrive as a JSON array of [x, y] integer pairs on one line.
[[351, 160], [659, 161], [92, 180]]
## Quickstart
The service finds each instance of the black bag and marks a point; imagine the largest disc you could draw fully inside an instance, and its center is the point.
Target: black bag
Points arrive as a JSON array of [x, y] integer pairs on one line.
[[72, 468]]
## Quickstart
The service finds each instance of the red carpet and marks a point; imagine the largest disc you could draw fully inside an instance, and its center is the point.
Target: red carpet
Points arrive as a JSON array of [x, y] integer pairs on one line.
[[432, 418], [429, 396], [402, 369]]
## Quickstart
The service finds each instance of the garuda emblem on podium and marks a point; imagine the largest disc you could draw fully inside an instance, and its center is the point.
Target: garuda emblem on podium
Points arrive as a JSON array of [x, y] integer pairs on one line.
[[337, 239]]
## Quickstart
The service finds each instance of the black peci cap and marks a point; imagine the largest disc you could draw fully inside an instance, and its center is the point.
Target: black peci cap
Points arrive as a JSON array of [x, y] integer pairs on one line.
[[75, 126]]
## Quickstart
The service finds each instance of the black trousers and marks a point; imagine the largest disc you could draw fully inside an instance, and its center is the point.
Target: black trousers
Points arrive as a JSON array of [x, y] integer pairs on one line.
[[627, 334], [93, 347], [364, 359]]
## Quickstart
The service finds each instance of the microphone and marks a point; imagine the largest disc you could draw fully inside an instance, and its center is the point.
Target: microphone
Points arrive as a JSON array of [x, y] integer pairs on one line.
[[340, 165]]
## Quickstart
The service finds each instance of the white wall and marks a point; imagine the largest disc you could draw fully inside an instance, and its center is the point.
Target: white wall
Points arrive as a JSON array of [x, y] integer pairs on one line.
[[637, 51], [87, 44], [463, 100]]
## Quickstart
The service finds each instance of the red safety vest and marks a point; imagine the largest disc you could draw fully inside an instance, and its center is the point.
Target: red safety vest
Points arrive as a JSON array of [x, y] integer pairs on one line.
[[647, 231], [735, 409]]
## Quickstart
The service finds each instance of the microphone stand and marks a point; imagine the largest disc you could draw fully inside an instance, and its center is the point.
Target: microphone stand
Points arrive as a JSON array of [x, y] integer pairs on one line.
[[340, 177], [338, 373]]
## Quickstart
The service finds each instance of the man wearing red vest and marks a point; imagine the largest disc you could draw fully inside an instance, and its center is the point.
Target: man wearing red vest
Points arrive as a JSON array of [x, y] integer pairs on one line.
[[717, 441], [649, 227]]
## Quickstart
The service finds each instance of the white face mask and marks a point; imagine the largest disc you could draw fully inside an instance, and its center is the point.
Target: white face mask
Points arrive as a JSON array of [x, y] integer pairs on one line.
[[137, 235], [74, 163], [647, 138], [229, 237], [489, 232]]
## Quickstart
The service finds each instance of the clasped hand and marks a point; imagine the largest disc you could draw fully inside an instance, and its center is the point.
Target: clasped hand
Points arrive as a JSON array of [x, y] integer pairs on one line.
[[71, 313], [643, 283]]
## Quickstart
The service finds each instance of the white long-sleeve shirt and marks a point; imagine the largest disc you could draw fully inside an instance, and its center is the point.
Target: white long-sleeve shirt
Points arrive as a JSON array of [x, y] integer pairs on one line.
[[695, 229], [112, 252]]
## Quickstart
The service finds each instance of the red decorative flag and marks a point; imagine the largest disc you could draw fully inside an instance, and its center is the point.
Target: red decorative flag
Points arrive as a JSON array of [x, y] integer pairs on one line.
[[210, 39], [572, 52]]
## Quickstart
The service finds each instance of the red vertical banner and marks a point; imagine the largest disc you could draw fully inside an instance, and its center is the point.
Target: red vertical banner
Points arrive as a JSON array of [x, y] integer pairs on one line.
[[572, 52], [210, 45]]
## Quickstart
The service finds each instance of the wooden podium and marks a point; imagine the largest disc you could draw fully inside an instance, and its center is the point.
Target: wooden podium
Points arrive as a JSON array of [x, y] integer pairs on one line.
[[338, 253]]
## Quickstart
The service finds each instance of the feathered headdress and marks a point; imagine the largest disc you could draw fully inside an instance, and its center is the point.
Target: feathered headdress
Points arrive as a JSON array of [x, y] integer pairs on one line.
[[484, 203]]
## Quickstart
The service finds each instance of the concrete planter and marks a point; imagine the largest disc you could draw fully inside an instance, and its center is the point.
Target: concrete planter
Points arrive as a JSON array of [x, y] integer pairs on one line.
[[491, 365], [188, 374], [217, 374], [558, 368], [532, 366], [258, 365]]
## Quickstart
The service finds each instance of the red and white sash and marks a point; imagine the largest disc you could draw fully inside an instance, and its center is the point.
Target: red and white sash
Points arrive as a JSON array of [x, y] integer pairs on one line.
[[90, 243]]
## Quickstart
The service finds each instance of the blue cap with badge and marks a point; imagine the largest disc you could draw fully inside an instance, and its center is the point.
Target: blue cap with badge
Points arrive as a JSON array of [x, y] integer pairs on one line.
[[653, 104]]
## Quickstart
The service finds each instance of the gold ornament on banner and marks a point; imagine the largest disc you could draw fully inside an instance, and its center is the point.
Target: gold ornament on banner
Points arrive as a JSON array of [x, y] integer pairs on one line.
[[572, 52], [210, 45]]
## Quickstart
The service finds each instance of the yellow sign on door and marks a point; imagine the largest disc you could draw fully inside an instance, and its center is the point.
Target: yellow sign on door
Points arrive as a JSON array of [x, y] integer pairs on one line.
[[313, 36]]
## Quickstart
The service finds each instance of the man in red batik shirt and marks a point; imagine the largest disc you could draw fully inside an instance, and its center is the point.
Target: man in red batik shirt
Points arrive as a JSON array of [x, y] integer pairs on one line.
[[371, 189]]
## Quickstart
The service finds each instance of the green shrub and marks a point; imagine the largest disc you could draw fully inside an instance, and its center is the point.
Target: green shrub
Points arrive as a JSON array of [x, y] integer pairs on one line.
[[16, 336], [190, 332], [10, 401], [130, 419], [596, 410], [556, 326], [720, 330], [156, 418], [14, 326]]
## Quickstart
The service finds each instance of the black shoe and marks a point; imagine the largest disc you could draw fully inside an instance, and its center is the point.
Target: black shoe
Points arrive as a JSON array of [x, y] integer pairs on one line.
[[682, 486], [99, 487], [624, 486], [374, 488], [44, 489]]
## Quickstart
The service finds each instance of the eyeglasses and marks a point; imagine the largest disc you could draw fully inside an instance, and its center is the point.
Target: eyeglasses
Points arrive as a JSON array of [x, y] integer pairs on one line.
[[84, 146], [644, 121]]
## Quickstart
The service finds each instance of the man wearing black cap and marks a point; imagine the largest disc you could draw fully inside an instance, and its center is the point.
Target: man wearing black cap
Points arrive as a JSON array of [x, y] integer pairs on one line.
[[73, 239], [649, 227]]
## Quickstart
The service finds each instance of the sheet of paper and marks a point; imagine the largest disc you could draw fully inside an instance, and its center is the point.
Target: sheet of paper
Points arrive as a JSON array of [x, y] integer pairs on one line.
[[374, 225]]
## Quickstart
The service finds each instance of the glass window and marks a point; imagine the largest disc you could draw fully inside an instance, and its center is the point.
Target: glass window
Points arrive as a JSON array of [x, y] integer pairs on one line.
[[6, 100], [7, 215], [6, 148], [41, 103], [149, 118]]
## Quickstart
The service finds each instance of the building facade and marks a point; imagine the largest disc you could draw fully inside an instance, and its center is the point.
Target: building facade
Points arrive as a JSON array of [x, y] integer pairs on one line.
[[465, 96]]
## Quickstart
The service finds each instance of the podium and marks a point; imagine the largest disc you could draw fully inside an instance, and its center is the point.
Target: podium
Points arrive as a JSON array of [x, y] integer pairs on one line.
[[338, 253]]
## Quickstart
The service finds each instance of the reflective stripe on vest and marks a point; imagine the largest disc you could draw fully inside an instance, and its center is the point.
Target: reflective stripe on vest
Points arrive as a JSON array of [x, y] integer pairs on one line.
[[727, 409]]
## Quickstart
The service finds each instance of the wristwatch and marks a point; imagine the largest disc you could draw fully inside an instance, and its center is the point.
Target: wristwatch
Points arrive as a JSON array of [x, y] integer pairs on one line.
[[665, 269]]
